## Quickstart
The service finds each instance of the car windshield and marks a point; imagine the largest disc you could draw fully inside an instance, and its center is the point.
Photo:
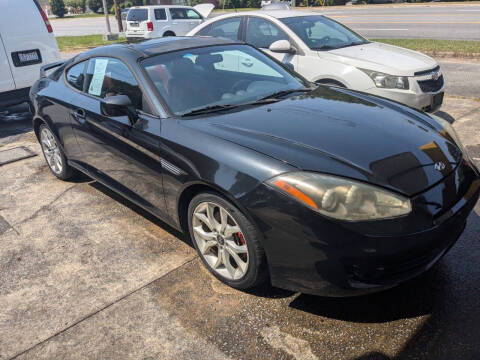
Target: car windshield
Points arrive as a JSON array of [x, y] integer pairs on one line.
[[215, 78], [321, 33]]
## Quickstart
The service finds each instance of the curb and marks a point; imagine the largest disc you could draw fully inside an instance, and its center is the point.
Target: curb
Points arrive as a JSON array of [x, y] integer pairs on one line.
[[452, 54]]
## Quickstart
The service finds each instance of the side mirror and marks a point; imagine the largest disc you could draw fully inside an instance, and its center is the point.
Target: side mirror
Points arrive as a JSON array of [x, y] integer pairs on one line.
[[119, 105], [282, 47]]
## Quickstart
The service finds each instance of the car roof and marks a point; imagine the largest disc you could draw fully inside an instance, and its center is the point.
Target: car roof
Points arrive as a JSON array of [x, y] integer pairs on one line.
[[157, 46], [279, 14]]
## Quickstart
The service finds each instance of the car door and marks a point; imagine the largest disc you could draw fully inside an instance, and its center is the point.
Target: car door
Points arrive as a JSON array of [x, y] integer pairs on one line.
[[262, 33], [121, 151], [180, 21]]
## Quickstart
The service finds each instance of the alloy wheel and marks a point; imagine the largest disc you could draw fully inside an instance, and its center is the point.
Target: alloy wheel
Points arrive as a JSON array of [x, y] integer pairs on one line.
[[51, 150], [220, 240]]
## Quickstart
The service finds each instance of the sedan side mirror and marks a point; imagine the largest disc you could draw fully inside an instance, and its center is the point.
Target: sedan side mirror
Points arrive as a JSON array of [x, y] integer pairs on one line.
[[119, 105], [282, 46]]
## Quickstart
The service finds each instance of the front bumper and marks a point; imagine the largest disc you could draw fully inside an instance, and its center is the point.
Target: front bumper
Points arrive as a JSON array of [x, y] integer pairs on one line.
[[312, 254], [429, 98]]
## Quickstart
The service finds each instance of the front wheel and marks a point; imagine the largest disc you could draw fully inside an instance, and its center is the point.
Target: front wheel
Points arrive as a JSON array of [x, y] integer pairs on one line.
[[226, 241]]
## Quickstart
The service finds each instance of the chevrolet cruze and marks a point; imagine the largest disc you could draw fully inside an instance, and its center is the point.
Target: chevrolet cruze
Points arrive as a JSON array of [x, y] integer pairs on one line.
[[318, 189]]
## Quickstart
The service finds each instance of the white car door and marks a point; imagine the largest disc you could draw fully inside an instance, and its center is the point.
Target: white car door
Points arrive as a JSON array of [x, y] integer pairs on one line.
[[261, 33], [180, 21], [6, 78]]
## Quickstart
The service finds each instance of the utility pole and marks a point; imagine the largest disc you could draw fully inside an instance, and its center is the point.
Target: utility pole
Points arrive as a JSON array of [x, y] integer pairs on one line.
[[108, 35], [118, 15]]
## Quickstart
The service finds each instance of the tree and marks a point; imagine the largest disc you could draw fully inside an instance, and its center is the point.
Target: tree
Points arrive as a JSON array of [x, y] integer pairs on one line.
[[58, 8], [79, 5], [95, 5]]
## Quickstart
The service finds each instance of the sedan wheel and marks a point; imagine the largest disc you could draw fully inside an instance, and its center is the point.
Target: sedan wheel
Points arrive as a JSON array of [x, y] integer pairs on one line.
[[226, 241]]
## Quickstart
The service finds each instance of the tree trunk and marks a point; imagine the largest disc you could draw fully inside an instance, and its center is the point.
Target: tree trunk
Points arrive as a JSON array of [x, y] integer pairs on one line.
[[118, 15]]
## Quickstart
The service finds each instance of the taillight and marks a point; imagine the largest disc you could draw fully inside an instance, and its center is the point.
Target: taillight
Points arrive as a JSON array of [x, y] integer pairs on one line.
[[44, 17], [149, 26]]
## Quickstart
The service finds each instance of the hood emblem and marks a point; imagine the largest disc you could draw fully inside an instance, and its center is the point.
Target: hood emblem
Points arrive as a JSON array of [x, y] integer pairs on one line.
[[435, 75], [439, 166]]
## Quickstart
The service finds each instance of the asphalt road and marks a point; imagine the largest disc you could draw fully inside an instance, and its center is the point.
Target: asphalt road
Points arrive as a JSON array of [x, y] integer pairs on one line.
[[84, 274], [461, 77], [454, 21]]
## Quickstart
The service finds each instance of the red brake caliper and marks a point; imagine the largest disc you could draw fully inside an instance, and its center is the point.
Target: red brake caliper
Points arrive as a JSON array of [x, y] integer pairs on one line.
[[242, 241]]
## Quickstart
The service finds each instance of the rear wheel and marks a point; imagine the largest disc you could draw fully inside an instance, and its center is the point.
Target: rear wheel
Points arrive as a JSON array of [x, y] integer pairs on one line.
[[54, 155], [226, 241]]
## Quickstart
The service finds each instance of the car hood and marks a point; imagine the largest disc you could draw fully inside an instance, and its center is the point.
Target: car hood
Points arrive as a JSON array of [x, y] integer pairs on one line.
[[385, 58], [346, 133]]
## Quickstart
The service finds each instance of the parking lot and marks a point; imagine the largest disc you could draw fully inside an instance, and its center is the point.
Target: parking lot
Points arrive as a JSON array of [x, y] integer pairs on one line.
[[85, 274]]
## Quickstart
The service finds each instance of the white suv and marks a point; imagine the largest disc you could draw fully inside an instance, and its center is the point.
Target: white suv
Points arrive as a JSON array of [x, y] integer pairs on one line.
[[327, 52], [26, 43], [148, 22]]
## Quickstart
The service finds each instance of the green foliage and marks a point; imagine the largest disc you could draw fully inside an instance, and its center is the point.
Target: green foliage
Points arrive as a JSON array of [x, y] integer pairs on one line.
[[77, 4], [96, 5], [58, 8]]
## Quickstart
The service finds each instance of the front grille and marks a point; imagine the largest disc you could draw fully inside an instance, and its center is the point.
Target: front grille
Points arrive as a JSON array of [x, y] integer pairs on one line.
[[431, 85], [426, 72]]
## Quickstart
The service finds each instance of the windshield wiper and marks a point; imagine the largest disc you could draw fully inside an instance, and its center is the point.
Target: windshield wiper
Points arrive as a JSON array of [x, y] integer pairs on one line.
[[284, 92], [210, 109]]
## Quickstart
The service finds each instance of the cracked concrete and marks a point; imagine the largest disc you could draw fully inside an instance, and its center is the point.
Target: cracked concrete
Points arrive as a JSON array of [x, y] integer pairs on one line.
[[85, 274]]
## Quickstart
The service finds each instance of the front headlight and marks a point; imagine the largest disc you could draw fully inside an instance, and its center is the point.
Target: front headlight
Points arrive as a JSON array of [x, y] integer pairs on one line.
[[341, 198], [386, 81]]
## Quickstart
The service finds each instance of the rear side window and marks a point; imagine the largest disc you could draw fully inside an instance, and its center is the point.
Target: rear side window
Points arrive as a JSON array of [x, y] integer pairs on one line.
[[192, 14], [137, 15], [75, 75], [160, 14], [227, 28], [178, 14]]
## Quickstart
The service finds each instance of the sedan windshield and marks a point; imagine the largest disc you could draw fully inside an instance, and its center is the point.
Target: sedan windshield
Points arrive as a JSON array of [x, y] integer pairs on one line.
[[217, 78], [321, 33]]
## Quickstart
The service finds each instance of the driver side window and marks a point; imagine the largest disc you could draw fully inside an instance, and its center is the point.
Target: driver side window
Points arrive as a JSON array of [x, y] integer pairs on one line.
[[262, 33], [106, 77]]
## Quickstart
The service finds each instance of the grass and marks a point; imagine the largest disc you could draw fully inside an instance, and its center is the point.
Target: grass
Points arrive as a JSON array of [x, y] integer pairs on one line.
[[67, 17], [457, 47], [68, 43], [233, 10]]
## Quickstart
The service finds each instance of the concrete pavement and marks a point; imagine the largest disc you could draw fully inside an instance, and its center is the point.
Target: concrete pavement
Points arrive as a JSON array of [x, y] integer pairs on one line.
[[85, 274]]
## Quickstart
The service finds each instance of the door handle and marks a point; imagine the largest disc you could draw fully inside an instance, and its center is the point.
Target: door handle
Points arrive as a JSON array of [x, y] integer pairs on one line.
[[79, 114], [247, 62]]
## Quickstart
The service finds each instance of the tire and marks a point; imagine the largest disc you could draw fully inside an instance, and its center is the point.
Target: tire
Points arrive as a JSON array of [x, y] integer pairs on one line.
[[53, 154], [244, 277], [169, 33]]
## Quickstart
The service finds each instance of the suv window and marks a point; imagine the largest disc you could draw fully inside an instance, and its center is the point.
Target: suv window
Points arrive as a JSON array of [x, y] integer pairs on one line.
[[192, 14], [110, 77], [262, 33], [227, 28], [160, 14], [75, 75], [137, 15], [184, 14]]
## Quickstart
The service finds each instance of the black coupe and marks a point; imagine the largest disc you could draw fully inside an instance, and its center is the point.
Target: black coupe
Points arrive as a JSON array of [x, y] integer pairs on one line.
[[317, 189]]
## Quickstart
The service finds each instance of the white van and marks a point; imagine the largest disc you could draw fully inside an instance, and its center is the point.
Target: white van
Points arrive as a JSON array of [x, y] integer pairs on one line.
[[148, 22], [26, 43]]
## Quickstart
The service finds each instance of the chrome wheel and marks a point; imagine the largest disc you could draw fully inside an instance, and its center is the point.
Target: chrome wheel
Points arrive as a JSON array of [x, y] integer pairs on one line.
[[220, 240], [51, 150]]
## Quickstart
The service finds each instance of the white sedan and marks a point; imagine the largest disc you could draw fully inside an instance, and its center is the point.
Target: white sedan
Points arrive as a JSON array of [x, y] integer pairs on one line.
[[327, 52]]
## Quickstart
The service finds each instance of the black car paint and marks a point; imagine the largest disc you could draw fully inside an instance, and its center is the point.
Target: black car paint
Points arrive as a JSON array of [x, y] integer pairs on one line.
[[161, 160]]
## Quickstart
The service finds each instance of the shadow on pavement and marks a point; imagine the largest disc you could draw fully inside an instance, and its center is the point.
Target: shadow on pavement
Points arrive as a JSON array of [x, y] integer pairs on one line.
[[446, 116], [14, 121]]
